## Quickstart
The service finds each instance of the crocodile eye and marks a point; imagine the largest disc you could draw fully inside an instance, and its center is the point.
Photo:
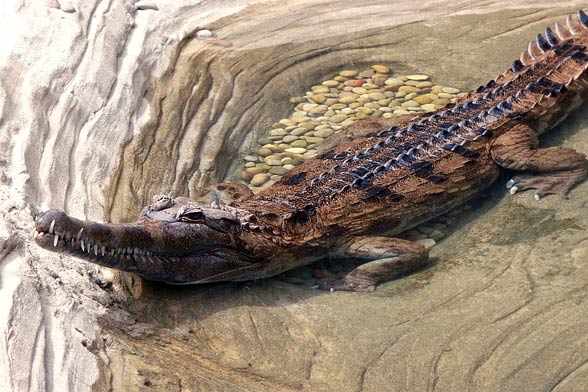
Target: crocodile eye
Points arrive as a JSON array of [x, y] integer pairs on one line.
[[191, 216]]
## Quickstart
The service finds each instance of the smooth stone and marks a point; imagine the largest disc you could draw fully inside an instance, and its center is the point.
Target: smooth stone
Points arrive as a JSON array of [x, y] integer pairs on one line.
[[288, 167], [290, 138], [394, 82], [314, 140], [299, 143], [338, 106], [297, 99], [278, 170], [437, 235], [422, 99], [307, 106], [260, 179], [307, 125], [424, 84], [400, 112], [356, 83], [298, 131], [384, 109], [348, 73], [368, 73], [324, 133], [445, 95], [359, 90], [320, 89], [393, 103], [417, 77], [409, 89], [451, 90], [320, 110], [382, 69], [331, 101], [340, 78], [255, 170], [318, 98], [369, 86], [401, 94], [337, 118], [349, 121], [376, 96], [348, 99], [264, 152], [249, 164], [379, 79], [428, 243], [429, 107], [286, 122], [425, 229], [291, 161], [330, 83], [440, 101], [296, 150], [372, 105], [299, 119], [278, 132], [384, 102], [377, 113], [264, 140], [246, 175], [354, 105]]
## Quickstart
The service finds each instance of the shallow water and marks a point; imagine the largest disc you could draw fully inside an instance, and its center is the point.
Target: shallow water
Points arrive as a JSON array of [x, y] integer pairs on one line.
[[501, 306]]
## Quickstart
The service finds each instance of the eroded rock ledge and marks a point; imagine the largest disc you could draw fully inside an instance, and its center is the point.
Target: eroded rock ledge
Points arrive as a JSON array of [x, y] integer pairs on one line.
[[103, 104]]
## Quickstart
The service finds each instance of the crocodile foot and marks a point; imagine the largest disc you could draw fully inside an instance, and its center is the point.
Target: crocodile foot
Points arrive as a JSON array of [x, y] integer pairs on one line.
[[557, 183], [388, 258]]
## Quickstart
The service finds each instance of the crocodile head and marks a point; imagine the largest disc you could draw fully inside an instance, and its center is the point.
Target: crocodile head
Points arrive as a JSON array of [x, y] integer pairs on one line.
[[174, 240]]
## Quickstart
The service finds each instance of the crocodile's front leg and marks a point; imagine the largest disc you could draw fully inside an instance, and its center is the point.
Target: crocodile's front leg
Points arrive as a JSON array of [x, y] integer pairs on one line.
[[390, 258], [553, 170]]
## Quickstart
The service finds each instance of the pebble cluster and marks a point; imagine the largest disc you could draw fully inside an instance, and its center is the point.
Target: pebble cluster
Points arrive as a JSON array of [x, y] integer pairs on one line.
[[327, 107]]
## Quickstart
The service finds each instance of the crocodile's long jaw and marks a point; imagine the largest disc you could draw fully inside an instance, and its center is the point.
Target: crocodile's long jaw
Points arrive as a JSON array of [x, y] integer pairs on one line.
[[172, 252]]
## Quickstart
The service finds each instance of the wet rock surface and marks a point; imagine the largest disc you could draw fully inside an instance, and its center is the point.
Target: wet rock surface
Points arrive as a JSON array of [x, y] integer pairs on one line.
[[502, 305]]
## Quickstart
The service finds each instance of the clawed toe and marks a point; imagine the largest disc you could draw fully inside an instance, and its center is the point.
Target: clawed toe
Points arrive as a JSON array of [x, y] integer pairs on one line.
[[552, 183]]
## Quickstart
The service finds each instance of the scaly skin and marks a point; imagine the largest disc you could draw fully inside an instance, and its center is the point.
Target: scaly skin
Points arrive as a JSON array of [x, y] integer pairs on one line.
[[379, 176]]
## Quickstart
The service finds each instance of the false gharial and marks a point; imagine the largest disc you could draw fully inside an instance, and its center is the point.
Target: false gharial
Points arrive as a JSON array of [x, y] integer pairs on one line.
[[378, 178]]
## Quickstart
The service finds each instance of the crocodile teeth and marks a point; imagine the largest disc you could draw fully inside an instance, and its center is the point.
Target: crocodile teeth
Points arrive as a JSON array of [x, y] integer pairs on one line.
[[82, 245], [103, 250], [583, 18], [96, 250], [52, 227], [513, 190], [55, 239], [572, 25], [537, 197], [80, 233], [561, 31], [510, 183]]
